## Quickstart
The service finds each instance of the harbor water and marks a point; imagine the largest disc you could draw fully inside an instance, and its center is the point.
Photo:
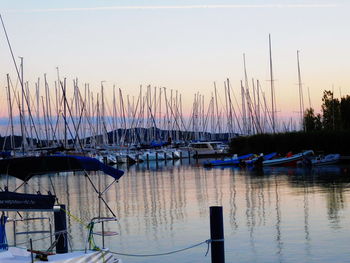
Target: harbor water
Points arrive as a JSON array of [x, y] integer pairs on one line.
[[270, 215]]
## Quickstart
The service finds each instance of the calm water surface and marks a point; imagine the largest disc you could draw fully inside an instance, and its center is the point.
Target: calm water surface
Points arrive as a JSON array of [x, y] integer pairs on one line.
[[276, 215]]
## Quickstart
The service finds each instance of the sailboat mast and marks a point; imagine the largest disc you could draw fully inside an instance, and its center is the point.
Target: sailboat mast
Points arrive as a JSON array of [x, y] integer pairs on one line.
[[273, 100], [301, 97], [10, 111]]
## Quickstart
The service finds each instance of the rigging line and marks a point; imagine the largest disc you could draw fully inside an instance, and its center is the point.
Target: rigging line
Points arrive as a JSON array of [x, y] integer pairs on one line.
[[71, 116], [18, 75]]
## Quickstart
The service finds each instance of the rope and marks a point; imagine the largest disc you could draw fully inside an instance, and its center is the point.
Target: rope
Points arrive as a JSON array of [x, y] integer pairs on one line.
[[91, 241], [77, 219], [208, 241]]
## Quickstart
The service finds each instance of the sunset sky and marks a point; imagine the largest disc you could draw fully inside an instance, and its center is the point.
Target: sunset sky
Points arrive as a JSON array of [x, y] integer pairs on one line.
[[183, 45]]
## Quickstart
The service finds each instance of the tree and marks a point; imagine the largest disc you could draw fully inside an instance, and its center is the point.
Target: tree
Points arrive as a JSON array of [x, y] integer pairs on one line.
[[309, 120], [345, 112], [331, 111], [318, 122], [312, 122]]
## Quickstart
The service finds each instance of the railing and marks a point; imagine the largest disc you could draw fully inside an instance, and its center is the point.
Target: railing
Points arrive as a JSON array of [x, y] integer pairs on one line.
[[90, 239], [15, 234]]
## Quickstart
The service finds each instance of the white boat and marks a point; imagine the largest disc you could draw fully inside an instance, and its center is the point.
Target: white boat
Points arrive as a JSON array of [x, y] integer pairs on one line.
[[112, 158], [20, 255], [206, 149], [326, 160], [176, 154], [184, 153], [24, 168], [153, 156]]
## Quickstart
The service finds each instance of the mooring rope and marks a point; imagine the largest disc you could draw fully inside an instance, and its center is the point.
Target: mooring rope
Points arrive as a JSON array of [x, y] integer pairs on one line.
[[89, 226], [161, 254]]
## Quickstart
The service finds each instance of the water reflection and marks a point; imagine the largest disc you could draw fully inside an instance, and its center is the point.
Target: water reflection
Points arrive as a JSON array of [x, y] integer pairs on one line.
[[333, 180], [269, 213]]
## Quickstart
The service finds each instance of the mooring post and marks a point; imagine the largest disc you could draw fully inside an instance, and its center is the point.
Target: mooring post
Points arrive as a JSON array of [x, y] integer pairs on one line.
[[217, 235], [60, 218]]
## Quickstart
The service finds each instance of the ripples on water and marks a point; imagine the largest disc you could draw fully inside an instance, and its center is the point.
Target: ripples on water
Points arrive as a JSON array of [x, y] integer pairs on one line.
[[275, 215]]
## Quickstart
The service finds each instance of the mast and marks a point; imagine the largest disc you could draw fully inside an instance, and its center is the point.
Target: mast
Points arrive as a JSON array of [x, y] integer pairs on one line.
[[114, 117], [10, 111], [21, 81], [247, 111], [230, 122], [258, 106], [65, 113], [301, 97], [273, 99], [217, 110], [27, 94], [22, 107], [244, 122]]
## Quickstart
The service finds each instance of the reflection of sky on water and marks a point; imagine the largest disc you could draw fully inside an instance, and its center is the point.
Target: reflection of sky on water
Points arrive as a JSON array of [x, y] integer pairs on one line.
[[272, 215]]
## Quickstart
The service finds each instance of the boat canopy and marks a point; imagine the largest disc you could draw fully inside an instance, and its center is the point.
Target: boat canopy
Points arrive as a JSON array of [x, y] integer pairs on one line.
[[26, 167]]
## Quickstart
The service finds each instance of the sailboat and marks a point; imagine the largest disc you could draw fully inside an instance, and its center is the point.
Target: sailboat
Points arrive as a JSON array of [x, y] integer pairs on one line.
[[24, 168]]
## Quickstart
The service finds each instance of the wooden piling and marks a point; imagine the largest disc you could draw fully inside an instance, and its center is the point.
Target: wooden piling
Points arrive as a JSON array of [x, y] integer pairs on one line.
[[217, 235]]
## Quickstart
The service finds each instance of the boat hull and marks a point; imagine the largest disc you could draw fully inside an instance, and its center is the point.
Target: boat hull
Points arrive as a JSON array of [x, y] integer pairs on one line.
[[288, 161]]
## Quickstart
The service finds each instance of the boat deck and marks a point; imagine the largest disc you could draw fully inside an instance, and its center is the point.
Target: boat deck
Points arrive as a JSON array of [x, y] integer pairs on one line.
[[18, 255]]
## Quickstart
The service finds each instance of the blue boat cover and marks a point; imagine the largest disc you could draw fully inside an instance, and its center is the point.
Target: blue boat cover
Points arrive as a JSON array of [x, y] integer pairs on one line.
[[3, 239], [265, 158], [233, 161], [25, 167], [158, 144]]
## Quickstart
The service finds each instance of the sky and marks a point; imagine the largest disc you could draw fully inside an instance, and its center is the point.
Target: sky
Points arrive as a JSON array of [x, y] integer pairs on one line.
[[183, 45]]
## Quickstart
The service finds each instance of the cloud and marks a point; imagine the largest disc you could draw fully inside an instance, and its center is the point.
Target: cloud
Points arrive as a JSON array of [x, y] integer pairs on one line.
[[155, 7]]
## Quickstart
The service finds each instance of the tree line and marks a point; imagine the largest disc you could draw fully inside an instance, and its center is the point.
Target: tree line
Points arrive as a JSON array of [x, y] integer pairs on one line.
[[334, 116]]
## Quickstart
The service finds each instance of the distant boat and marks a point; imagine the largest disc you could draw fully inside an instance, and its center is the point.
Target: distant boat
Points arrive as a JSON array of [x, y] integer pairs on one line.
[[228, 161], [289, 160], [255, 160], [207, 149], [326, 160]]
